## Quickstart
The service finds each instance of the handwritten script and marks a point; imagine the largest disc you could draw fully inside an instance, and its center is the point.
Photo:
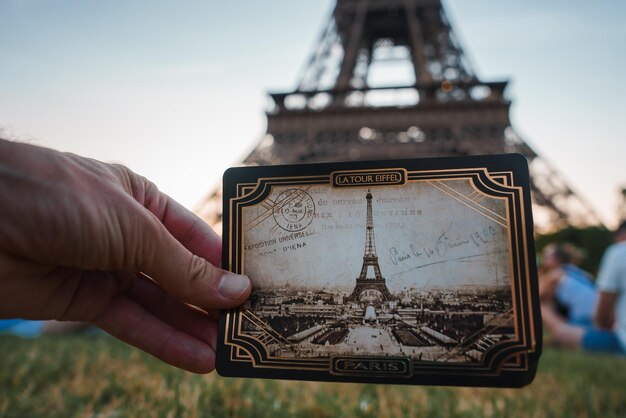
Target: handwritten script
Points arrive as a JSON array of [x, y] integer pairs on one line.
[[445, 243]]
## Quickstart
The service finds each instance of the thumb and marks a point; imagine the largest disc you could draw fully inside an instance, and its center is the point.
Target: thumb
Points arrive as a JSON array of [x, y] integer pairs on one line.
[[183, 274]]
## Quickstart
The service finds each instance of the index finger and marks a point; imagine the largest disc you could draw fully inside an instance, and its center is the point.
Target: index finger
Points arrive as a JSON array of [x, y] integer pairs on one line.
[[188, 229]]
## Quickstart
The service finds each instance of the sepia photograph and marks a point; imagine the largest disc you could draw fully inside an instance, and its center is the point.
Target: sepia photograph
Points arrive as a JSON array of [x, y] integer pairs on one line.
[[420, 271]]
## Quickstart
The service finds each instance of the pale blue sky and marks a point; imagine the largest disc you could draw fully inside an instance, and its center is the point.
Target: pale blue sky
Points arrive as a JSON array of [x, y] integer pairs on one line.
[[176, 90]]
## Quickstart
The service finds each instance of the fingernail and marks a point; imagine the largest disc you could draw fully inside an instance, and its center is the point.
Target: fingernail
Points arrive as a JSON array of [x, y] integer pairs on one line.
[[233, 285]]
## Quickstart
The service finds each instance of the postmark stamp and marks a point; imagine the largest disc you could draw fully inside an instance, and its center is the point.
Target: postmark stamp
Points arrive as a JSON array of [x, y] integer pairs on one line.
[[294, 210]]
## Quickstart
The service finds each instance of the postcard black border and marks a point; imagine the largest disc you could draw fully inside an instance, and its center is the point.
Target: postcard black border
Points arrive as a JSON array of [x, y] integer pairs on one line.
[[515, 163]]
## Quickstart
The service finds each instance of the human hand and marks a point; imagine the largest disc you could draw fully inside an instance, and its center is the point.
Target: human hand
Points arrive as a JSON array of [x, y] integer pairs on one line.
[[75, 234]]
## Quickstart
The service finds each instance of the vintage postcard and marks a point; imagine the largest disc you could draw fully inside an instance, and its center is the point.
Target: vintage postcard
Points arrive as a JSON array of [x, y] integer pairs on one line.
[[411, 271]]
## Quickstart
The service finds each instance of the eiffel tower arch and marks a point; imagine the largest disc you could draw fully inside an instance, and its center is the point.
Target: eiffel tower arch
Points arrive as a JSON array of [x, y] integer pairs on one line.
[[345, 109]]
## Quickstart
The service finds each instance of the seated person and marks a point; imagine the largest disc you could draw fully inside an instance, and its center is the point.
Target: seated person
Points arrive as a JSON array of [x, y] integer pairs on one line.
[[611, 308], [568, 302], [28, 328], [21, 327], [571, 289]]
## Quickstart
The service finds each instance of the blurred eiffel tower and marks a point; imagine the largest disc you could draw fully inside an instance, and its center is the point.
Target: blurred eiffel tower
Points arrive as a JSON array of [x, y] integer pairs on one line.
[[350, 105]]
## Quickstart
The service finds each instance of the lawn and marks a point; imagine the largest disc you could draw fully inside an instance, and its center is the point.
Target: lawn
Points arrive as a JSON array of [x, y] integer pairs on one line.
[[96, 376]]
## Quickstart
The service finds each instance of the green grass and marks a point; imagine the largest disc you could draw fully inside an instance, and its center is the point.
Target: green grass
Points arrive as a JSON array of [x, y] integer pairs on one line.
[[87, 376]]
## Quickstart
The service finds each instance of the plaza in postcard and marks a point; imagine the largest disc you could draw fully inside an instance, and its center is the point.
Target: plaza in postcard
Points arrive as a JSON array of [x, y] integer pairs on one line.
[[421, 270]]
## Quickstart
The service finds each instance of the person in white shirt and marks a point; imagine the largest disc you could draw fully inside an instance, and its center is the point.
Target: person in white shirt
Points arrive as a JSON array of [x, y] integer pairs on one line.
[[610, 311], [568, 301]]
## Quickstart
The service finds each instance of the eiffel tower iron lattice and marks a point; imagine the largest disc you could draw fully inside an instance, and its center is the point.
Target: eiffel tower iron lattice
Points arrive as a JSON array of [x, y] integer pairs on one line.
[[343, 110], [370, 259]]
